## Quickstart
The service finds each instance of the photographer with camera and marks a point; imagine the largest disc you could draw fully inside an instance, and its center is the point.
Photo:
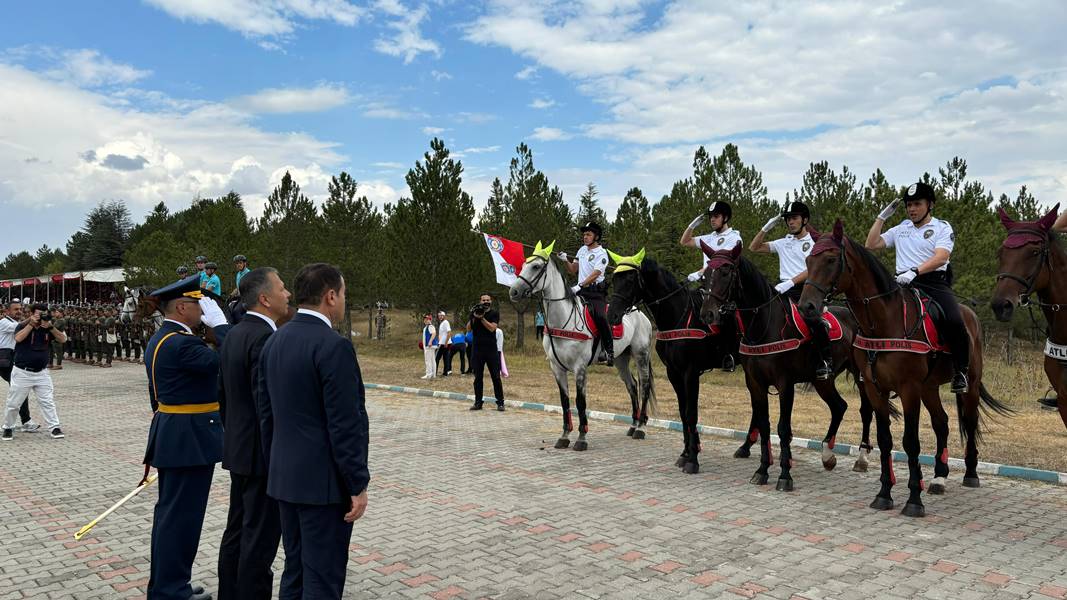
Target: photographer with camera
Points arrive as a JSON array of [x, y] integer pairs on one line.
[[33, 339], [8, 324], [483, 324]]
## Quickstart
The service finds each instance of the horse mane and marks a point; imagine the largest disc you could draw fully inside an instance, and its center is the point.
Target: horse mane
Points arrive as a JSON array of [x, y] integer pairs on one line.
[[650, 267], [753, 281], [883, 279]]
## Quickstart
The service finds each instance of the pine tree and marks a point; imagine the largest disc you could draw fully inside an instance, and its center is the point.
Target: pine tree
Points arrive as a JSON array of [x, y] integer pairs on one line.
[[589, 210], [633, 224], [352, 238], [288, 230]]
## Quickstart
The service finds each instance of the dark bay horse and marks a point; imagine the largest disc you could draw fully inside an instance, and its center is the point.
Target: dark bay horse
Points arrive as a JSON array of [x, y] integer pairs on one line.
[[904, 360], [1030, 257], [685, 344], [773, 354]]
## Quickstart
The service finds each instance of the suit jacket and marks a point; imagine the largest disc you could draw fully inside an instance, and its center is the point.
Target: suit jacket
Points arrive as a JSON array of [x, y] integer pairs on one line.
[[182, 370], [311, 386], [242, 449]]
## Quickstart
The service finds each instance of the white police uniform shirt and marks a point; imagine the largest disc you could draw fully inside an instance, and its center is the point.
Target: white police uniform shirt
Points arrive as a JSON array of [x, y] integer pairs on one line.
[[7, 332], [792, 254], [916, 245], [722, 240], [591, 260]]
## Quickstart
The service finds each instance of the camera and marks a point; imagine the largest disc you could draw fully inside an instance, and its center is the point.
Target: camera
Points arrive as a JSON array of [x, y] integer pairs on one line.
[[479, 309]]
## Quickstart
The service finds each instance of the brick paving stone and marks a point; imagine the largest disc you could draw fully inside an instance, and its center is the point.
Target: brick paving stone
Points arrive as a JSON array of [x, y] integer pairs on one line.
[[470, 505]]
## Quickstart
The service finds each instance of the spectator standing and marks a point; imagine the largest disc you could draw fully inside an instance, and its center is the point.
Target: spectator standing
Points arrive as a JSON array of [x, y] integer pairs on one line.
[[33, 340], [539, 324], [458, 346], [483, 325], [429, 347], [8, 325], [444, 342]]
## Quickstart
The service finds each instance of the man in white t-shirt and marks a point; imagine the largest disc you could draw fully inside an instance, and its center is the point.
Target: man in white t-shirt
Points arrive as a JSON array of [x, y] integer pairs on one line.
[[722, 237], [924, 245], [444, 340], [590, 263], [792, 251]]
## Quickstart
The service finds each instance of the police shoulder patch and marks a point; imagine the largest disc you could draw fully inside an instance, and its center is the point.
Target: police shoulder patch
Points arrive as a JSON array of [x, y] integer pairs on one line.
[[929, 233]]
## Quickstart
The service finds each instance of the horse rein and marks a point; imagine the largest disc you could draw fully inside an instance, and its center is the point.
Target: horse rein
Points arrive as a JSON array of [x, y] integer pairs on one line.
[[1029, 282]]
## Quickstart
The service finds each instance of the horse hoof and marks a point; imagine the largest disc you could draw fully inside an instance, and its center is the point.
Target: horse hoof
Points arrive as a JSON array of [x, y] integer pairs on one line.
[[784, 485], [913, 510], [860, 467], [639, 434], [691, 468], [759, 479], [562, 443], [581, 446], [971, 482], [681, 461], [937, 489], [742, 452], [830, 464], [630, 432], [881, 503]]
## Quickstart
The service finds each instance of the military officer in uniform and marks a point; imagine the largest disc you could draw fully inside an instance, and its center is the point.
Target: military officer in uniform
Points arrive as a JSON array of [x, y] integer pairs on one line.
[[185, 438], [793, 251], [59, 322], [591, 263], [722, 237], [924, 246]]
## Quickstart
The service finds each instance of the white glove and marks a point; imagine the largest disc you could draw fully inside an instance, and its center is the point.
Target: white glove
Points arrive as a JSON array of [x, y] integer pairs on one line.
[[694, 276], [771, 224], [576, 288], [697, 221], [213, 315], [906, 277], [784, 286], [889, 210], [562, 256]]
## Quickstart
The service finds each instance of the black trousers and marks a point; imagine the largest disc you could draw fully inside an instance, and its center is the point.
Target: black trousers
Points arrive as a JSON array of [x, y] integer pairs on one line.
[[951, 326], [480, 359], [598, 305], [316, 540], [820, 337], [442, 356], [24, 410], [176, 524], [250, 541], [540, 331], [453, 350]]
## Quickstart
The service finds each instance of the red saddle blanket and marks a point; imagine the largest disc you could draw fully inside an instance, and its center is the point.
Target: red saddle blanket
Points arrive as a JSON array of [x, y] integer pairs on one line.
[[932, 343], [786, 345], [616, 330]]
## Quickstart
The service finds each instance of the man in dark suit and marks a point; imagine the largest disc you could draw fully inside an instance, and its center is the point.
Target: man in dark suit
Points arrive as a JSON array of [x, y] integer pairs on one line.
[[253, 529], [317, 458], [185, 438]]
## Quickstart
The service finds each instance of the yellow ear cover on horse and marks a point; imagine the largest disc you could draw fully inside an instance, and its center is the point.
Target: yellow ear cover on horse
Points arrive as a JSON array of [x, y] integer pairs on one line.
[[540, 252], [625, 263]]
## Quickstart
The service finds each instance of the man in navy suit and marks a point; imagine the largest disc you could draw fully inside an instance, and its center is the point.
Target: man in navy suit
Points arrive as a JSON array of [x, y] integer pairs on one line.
[[250, 541], [185, 438], [317, 460]]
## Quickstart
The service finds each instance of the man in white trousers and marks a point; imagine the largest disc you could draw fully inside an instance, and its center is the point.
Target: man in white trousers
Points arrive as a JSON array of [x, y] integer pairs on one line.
[[30, 372]]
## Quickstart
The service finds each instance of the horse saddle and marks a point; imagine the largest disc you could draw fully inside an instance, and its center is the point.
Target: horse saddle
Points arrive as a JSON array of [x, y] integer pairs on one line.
[[933, 318], [616, 330], [833, 326]]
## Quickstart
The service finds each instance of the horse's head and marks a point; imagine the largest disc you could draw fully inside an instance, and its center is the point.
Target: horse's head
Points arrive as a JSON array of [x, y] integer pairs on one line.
[[1023, 256], [826, 268], [533, 276], [625, 284], [719, 284]]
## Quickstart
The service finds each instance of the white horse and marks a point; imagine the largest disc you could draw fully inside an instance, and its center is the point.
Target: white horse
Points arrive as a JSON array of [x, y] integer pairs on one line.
[[135, 304], [570, 347]]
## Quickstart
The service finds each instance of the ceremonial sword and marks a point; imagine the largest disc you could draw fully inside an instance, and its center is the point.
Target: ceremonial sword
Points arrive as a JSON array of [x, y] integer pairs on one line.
[[84, 530]]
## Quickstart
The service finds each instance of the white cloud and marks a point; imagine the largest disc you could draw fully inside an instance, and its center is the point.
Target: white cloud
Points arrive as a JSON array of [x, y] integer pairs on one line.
[[405, 39], [902, 86], [388, 165], [440, 75], [380, 192], [261, 18], [542, 103], [549, 134], [475, 117], [88, 68], [526, 73], [481, 149], [384, 110], [434, 131], [293, 100]]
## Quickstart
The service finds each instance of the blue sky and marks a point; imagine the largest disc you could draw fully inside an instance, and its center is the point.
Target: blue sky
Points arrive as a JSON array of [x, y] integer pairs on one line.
[[162, 100]]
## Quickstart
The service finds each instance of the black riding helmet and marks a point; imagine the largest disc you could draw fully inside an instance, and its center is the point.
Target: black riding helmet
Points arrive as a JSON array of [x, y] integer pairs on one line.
[[183, 270], [211, 265], [796, 208], [593, 227], [240, 258], [721, 208], [920, 191]]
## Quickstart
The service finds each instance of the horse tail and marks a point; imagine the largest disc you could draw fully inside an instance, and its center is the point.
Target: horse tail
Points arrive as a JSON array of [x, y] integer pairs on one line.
[[987, 405]]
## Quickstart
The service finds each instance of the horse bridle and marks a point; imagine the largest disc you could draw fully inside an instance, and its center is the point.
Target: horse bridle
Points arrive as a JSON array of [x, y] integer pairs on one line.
[[533, 284], [1029, 282], [829, 293]]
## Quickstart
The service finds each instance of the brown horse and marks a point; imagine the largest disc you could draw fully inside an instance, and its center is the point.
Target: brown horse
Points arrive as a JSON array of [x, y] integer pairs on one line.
[[1029, 258], [901, 358]]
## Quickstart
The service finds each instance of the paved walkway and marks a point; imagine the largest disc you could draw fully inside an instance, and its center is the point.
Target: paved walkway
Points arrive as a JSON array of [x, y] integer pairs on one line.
[[472, 505]]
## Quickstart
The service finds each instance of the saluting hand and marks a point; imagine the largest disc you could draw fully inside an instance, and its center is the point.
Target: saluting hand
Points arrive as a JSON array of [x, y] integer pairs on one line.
[[359, 506]]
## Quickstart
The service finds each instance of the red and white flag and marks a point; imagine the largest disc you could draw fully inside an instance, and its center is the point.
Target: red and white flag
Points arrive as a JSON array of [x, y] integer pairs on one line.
[[507, 258]]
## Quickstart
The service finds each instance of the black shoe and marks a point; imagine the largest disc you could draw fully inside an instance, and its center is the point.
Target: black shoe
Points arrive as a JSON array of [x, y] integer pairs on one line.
[[57, 434], [499, 407], [1049, 403], [728, 364], [824, 371], [8, 435], [476, 406], [959, 383]]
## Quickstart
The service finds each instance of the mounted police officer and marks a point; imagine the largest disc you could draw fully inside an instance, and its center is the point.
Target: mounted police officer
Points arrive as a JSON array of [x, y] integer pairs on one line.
[[722, 237], [793, 251], [924, 245], [240, 265], [183, 271], [185, 438], [591, 263], [209, 279]]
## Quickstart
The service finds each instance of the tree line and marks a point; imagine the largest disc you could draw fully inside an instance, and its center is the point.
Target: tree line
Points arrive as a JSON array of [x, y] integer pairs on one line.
[[423, 251]]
